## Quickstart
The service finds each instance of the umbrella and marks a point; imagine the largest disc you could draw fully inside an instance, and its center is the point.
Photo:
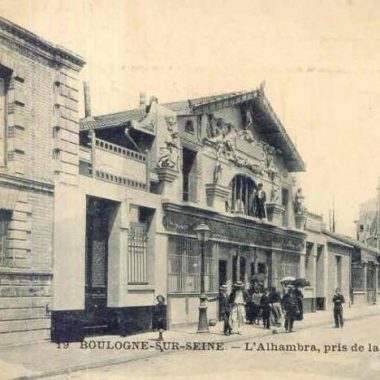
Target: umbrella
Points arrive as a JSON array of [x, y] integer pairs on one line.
[[301, 282], [287, 280]]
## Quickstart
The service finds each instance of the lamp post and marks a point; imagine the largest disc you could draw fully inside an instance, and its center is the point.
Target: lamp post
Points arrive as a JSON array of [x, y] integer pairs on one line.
[[203, 234]]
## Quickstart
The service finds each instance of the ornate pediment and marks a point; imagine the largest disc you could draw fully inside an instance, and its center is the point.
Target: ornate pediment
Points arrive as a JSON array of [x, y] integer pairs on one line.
[[239, 145]]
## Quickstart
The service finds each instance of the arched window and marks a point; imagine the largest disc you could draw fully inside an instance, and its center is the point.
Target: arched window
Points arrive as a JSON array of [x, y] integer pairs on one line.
[[242, 195]]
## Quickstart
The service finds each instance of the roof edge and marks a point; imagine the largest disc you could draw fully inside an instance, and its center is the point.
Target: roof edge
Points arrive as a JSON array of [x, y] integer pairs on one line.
[[34, 39]]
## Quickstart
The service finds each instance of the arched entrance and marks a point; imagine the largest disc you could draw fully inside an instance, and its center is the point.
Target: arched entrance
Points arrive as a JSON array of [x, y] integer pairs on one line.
[[242, 195]]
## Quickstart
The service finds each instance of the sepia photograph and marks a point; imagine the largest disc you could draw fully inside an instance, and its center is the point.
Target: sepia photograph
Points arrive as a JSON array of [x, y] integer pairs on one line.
[[190, 189]]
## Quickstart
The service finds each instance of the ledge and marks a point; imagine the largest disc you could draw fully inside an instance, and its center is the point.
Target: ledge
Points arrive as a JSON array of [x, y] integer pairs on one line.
[[35, 272], [142, 287]]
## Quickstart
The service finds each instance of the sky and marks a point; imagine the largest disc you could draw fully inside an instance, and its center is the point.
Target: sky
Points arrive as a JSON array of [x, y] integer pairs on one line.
[[320, 60]]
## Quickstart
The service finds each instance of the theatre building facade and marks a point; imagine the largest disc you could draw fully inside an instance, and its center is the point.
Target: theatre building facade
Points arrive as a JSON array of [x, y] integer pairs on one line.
[[124, 232]]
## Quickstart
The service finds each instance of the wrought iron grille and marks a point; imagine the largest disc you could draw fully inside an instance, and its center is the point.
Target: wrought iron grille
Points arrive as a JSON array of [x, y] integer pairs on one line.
[[289, 265], [184, 266], [137, 253]]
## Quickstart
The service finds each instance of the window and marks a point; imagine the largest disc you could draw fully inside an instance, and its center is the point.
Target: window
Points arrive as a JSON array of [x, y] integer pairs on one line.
[[289, 265], [137, 253], [138, 246], [189, 126], [189, 175], [285, 204], [358, 277], [184, 266], [5, 218], [242, 196], [242, 267], [338, 271], [2, 120]]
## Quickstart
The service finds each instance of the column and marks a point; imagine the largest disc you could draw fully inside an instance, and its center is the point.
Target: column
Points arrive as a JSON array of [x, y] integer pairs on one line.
[[237, 263], [302, 264], [376, 281], [275, 268], [365, 281]]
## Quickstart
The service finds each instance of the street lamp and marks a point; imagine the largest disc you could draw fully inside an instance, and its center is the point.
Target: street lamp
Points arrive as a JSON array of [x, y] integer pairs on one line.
[[203, 234]]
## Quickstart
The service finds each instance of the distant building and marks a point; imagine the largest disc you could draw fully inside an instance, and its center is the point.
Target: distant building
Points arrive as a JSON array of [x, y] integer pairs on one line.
[[327, 265], [365, 274], [368, 223]]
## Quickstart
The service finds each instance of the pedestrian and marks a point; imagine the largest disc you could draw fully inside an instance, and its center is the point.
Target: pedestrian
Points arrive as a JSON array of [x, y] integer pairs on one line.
[[256, 299], [275, 301], [260, 199], [299, 296], [338, 301], [266, 309], [159, 316], [290, 304], [237, 316], [224, 309], [249, 305]]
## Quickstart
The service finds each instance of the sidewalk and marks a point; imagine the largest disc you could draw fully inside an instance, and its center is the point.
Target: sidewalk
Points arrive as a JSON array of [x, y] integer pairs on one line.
[[43, 359]]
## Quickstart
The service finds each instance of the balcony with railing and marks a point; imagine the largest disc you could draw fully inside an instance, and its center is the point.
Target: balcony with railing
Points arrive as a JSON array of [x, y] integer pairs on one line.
[[114, 163]]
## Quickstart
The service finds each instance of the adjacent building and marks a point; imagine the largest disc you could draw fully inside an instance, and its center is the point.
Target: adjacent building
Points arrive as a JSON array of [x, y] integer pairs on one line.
[[38, 134], [364, 282]]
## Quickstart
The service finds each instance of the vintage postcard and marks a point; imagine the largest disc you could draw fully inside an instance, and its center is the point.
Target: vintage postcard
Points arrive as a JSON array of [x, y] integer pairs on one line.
[[189, 189]]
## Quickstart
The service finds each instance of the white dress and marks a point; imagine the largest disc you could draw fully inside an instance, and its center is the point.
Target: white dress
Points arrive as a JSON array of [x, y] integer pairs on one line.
[[237, 315]]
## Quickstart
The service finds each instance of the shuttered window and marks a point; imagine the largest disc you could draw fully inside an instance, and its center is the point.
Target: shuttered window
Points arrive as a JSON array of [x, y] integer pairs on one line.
[[5, 218], [2, 121]]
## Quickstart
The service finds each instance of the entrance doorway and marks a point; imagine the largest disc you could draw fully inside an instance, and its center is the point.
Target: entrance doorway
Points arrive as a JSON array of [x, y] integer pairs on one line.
[[222, 272], [99, 219]]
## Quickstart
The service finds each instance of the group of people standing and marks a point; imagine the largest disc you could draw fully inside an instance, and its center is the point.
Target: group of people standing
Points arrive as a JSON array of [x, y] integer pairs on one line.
[[254, 305], [257, 304]]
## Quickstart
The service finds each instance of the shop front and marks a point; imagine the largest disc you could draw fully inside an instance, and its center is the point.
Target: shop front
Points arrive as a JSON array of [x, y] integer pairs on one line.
[[239, 249]]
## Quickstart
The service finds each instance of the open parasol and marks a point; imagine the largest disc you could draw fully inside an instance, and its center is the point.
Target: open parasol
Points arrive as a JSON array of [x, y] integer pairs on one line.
[[301, 282], [287, 280]]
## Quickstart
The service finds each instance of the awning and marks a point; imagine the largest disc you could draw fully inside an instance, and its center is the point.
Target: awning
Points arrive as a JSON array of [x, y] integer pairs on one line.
[[8, 198]]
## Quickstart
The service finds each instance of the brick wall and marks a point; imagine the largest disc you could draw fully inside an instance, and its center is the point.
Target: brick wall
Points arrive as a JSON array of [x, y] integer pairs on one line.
[[41, 147]]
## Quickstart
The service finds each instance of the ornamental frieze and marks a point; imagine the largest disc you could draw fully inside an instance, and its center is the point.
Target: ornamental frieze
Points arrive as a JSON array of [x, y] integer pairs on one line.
[[185, 224]]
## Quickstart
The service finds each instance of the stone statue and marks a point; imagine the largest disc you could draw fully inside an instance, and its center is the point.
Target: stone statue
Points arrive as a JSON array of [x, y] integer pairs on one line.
[[275, 194], [165, 159], [299, 207], [246, 132], [217, 172], [168, 153]]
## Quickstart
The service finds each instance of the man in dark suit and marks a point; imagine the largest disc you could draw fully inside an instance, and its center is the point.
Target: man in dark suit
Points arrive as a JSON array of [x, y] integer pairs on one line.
[[224, 309], [266, 308], [260, 199], [338, 300]]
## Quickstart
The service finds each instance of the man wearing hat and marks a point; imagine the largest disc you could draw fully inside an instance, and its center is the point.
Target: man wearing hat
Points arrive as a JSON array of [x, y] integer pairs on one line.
[[224, 309], [290, 306], [260, 199]]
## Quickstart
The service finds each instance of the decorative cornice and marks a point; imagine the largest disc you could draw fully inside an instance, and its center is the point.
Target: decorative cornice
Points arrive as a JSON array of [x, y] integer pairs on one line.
[[25, 183], [31, 41]]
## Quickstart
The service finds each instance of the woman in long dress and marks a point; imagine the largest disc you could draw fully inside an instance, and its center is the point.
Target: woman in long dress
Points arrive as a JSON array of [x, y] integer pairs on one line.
[[238, 308]]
